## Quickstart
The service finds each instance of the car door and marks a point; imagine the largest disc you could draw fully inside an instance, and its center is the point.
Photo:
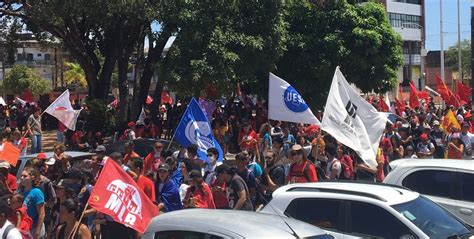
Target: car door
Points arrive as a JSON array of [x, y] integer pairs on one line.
[[465, 205], [438, 185], [371, 221]]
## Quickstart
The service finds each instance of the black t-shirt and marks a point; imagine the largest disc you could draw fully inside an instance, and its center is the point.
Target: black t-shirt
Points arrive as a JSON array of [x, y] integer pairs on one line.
[[277, 174], [236, 185]]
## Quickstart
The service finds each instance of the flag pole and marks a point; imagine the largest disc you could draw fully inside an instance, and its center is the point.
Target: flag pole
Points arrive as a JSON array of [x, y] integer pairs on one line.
[[174, 133], [76, 227]]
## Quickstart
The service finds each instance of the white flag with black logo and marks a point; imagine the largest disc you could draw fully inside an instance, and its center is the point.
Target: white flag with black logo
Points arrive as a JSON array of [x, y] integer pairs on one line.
[[286, 104], [351, 120]]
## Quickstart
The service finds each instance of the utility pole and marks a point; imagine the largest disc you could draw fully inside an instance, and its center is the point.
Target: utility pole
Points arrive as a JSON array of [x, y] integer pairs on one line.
[[441, 38], [460, 75], [472, 51]]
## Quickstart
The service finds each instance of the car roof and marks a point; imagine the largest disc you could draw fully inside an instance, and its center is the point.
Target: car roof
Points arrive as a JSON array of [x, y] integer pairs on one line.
[[439, 163], [73, 154], [244, 223], [389, 194]]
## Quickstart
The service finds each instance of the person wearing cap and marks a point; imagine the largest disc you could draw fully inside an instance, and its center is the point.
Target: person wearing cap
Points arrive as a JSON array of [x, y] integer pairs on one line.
[[198, 194], [425, 148], [455, 147], [467, 139], [7, 180], [167, 192], [237, 190], [439, 137], [301, 169]]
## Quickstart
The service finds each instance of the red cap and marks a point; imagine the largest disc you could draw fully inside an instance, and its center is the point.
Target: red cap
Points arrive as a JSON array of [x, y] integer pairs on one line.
[[424, 137], [41, 156], [131, 124]]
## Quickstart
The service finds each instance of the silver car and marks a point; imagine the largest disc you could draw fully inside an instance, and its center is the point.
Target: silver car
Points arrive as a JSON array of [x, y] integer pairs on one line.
[[217, 224]]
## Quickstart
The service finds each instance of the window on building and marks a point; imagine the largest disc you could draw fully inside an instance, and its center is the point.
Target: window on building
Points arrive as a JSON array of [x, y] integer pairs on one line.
[[29, 57], [19, 57], [410, 1], [39, 54], [404, 20], [47, 57]]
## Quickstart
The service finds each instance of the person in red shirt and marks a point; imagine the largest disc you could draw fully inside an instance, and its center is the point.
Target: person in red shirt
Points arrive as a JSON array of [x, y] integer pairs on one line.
[[198, 194], [247, 138], [7, 179], [301, 169], [136, 165], [129, 153], [153, 159], [20, 217]]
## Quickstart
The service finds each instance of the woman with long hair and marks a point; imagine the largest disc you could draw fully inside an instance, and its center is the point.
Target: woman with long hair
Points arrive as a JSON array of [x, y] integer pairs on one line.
[[265, 137], [198, 194], [70, 227], [33, 200]]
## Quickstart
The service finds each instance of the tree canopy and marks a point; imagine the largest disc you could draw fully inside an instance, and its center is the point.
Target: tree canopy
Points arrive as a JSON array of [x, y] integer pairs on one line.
[[452, 58], [326, 34], [22, 78]]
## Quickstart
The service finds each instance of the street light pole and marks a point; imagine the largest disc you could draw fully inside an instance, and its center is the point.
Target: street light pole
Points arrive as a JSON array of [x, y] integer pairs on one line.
[[441, 38], [460, 75]]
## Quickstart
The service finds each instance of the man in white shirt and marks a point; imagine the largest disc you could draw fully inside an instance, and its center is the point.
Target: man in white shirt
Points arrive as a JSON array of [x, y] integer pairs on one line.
[[7, 230], [467, 138]]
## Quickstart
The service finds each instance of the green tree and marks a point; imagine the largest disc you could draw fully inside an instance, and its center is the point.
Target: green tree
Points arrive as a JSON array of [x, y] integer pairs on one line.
[[22, 78], [326, 34], [221, 43], [452, 58], [112, 30], [75, 75]]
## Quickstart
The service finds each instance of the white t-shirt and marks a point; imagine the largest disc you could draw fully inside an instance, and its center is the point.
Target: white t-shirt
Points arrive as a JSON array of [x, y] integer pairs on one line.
[[13, 234]]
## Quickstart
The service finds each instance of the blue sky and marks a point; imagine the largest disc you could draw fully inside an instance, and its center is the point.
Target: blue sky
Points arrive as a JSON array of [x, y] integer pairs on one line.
[[449, 22]]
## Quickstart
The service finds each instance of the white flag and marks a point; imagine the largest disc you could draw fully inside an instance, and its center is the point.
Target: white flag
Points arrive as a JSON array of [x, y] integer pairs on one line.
[[352, 120], [2, 101], [286, 104], [141, 118], [62, 110]]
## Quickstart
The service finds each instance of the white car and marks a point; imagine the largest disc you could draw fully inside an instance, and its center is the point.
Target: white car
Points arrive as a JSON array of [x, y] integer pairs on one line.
[[366, 210], [219, 224], [448, 182]]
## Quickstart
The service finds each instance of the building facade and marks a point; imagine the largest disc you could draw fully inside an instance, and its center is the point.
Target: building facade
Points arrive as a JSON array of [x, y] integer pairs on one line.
[[408, 19]]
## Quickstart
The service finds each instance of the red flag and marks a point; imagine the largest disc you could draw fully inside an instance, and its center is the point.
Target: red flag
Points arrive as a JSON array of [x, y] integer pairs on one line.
[[166, 98], [400, 102], [463, 91], [414, 101], [9, 153], [383, 107], [446, 94], [117, 195]]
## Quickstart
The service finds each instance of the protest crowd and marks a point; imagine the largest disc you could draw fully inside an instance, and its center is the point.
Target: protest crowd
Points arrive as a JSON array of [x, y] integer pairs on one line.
[[53, 198]]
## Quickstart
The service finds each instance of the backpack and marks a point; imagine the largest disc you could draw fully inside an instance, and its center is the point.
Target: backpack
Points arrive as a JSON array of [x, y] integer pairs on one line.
[[346, 170], [306, 169]]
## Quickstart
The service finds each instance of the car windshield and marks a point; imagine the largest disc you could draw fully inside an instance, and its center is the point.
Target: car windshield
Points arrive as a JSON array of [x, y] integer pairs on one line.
[[432, 219]]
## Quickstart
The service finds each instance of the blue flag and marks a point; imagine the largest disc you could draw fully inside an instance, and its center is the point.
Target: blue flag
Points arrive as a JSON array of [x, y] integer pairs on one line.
[[194, 128]]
